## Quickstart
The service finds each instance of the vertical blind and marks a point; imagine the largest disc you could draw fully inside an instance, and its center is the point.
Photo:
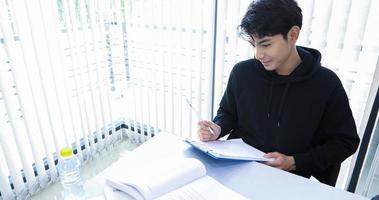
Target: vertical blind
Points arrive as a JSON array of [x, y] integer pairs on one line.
[[62, 80], [170, 52], [73, 71]]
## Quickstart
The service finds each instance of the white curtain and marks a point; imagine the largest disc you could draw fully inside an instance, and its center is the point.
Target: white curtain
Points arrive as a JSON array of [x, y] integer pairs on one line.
[[62, 82]]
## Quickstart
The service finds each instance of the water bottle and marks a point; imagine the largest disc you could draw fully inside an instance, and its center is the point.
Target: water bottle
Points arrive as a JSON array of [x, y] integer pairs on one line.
[[69, 173]]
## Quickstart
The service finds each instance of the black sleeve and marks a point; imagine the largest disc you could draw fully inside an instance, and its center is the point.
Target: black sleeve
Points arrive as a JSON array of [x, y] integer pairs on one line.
[[226, 116], [338, 138]]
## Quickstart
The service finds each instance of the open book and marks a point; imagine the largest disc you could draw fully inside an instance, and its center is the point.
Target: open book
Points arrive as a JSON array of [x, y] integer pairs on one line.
[[183, 178], [235, 149]]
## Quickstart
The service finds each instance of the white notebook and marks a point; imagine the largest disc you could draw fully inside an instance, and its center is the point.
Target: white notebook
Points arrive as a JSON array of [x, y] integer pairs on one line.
[[183, 179]]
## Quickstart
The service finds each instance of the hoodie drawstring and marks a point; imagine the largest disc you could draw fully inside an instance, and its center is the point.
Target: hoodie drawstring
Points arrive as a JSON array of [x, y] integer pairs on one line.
[[282, 101], [269, 99]]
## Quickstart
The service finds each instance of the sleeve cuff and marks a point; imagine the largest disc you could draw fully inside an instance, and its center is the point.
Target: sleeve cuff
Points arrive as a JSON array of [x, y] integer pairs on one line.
[[222, 128], [303, 162]]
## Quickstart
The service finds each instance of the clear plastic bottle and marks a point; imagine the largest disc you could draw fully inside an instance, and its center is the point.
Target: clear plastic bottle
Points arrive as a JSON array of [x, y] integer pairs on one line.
[[69, 173]]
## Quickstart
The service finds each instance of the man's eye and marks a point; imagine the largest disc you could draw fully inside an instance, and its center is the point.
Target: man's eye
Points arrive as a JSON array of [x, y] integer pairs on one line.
[[266, 45]]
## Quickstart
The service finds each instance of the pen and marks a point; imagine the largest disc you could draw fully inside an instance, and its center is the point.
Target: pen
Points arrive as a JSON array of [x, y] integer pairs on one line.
[[198, 114]]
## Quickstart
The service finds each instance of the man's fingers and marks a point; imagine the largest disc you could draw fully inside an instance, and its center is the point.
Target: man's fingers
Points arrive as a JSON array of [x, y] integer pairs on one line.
[[213, 126], [204, 129], [208, 130], [205, 137], [272, 155], [205, 133], [280, 161], [274, 161], [203, 124]]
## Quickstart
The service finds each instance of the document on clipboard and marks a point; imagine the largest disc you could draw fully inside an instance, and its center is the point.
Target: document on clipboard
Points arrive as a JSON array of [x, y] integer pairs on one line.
[[234, 149]]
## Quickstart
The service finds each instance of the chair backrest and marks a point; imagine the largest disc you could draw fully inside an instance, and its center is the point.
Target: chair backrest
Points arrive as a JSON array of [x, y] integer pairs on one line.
[[328, 176]]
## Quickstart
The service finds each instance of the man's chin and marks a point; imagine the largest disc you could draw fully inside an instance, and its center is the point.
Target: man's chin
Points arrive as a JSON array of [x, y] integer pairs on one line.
[[269, 68]]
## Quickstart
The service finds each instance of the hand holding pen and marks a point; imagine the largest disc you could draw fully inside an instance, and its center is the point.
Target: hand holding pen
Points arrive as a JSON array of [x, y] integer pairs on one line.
[[207, 129]]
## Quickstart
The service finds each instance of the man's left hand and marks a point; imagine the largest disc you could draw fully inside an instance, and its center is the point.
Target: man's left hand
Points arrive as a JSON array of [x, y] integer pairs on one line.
[[280, 161]]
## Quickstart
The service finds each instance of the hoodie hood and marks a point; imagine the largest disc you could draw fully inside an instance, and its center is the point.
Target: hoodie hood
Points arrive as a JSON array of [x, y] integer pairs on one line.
[[310, 64]]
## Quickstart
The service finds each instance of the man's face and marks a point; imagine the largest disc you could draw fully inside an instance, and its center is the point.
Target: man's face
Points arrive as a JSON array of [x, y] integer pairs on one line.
[[272, 51]]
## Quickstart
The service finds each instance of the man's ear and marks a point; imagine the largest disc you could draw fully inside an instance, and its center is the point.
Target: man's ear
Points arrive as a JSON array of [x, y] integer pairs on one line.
[[293, 34]]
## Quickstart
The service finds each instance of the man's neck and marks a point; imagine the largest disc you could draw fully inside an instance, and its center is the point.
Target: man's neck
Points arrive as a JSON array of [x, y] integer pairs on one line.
[[290, 65]]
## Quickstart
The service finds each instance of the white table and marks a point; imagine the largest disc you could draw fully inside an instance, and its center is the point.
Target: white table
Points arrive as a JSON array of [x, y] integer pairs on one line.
[[251, 179]]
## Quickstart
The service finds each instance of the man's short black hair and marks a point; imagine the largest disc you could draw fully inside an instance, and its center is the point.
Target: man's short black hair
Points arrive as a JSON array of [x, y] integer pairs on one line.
[[270, 17]]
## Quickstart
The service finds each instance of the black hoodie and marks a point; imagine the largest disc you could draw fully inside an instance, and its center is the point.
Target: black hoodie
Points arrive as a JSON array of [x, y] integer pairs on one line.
[[305, 114]]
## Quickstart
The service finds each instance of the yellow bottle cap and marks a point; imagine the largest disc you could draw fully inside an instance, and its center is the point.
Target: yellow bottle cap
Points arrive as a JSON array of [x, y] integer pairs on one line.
[[66, 151]]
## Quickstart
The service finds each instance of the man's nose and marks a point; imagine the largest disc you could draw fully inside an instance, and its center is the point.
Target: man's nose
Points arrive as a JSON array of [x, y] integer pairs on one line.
[[258, 53]]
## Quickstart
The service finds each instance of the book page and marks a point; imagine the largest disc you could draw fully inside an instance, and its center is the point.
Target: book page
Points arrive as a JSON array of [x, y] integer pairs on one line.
[[205, 188], [154, 179], [132, 191]]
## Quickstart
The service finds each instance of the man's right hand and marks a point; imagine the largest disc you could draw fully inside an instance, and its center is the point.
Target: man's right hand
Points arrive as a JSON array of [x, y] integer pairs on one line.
[[208, 130]]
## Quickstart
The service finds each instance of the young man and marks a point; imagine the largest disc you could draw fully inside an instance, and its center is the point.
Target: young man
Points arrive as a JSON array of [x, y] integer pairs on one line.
[[283, 101]]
